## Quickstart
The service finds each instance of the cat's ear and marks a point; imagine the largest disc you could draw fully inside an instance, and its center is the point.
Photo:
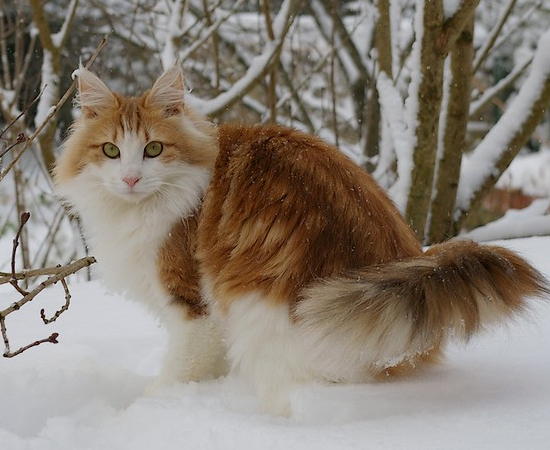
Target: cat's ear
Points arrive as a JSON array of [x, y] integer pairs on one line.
[[93, 95], [168, 92]]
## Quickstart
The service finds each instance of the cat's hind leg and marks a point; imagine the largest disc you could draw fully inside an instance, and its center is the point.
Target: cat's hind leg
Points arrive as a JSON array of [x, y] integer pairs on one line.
[[264, 350]]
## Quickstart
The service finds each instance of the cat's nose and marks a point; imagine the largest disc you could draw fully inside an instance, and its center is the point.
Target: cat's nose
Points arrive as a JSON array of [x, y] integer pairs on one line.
[[131, 181]]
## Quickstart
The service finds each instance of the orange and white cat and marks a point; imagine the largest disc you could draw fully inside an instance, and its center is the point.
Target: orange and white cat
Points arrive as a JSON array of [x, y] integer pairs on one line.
[[267, 249]]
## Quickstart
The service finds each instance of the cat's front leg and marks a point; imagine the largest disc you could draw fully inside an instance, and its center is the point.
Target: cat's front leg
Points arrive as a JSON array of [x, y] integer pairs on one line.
[[195, 350]]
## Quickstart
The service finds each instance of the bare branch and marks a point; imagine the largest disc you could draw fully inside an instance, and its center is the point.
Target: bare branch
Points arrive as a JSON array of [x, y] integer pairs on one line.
[[495, 32], [60, 275], [271, 91], [518, 25], [64, 272], [454, 123], [4, 54], [52, 112]]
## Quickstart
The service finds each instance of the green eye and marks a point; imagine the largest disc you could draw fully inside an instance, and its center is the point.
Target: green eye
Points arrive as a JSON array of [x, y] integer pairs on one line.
[[153, 149], [111, 150]]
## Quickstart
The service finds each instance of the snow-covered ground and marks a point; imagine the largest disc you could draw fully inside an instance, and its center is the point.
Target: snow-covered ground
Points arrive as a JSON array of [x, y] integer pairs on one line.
[[87, 391]]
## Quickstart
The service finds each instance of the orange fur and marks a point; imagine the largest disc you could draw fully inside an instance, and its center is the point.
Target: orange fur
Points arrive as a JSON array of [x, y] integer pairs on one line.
[[178, 267], [294, 209]]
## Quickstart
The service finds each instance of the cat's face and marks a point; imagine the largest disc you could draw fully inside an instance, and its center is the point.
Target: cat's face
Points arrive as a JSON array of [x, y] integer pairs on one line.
[[135, 148], [131, 152]]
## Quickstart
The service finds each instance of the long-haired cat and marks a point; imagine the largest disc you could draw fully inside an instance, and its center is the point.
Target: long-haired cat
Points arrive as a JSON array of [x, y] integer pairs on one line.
[[268, 249]]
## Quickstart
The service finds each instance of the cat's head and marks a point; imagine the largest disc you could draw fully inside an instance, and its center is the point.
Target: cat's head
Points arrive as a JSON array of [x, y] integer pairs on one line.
[[135, 148]]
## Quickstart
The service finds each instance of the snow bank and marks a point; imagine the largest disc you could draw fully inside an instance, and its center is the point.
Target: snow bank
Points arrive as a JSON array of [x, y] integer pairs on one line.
[[87, 392], [528, 173]]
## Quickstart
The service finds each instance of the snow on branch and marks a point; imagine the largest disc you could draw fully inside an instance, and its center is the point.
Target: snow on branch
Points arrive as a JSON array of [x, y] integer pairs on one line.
[[168, 55], [51, 44], [59, 38], [516, 223], [503, 84], [454, 24], [392, 113], [505, 139], [259, 67]]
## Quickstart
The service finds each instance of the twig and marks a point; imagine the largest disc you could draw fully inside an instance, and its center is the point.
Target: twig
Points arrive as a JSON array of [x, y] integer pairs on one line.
[[14, 282], [21, 136], [19, 140], [60, 311], [9, 354], [272, 84], [490, 42]]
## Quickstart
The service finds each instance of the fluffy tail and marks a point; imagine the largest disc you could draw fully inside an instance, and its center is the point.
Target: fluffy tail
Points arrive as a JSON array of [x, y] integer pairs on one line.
[[402, 310]]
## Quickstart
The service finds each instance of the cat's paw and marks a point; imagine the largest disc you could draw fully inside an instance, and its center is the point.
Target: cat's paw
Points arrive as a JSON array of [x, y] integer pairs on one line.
[[275, 402], [159, 385]]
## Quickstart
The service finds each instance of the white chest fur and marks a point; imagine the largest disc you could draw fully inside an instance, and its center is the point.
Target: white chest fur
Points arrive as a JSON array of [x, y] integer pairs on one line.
[[126, 244], [125, 237]]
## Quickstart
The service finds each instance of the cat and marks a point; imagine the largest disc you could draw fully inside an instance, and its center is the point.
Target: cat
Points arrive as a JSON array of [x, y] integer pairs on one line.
[[265, 251]]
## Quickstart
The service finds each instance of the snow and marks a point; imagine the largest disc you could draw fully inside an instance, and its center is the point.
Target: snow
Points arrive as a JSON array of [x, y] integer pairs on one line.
[[530, 221], [87, 391], [450, 7]]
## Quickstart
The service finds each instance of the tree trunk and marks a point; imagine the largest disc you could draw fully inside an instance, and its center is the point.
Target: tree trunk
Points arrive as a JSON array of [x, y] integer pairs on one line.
[[432, 57], [372, 113], [454, 139]]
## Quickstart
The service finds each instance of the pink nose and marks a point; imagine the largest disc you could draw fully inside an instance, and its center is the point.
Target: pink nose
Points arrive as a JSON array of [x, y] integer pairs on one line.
[[131, 181]]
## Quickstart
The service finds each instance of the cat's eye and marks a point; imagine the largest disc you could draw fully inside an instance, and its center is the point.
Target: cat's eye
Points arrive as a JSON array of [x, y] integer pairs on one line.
[[153, 149], [111, 150]]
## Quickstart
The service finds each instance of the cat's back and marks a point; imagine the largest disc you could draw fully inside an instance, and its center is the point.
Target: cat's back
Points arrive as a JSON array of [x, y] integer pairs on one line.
[[284, 208]]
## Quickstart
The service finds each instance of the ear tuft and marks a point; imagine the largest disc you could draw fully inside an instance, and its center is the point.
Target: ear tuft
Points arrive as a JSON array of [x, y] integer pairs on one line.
[[93, 95], [168, 92]]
